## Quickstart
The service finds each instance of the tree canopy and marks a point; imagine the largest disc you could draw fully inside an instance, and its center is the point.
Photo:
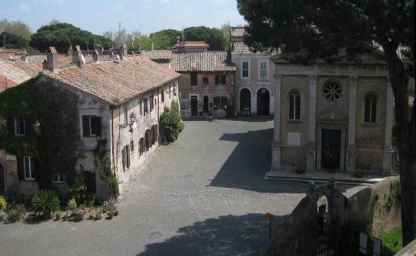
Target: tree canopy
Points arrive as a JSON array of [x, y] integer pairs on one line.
[[17, 28], [63, 35], [310, 29], [213, 36], [8, 40]]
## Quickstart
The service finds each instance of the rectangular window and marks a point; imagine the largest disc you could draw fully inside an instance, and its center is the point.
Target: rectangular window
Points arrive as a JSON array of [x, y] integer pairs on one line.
[[91, 126], [220, 102], [194, 79], [132, 146], [142, 147], [19, 127], [125, 154], [146, 106], [162, 95], [58, 178], [141, 107], [263, 69], [220, 79], [245, 69], [294, 106], [152, 103], [28, 167]]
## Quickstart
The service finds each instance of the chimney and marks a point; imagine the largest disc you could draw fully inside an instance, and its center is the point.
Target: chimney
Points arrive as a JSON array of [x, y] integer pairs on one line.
[[95, 55], [123, 51], [70, 51], [52, 59], [78, 57]]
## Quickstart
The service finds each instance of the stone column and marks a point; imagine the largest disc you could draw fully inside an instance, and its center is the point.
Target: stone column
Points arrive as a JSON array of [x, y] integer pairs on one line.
[[276, 154], [352, 124], [388, 148], [311, 135]]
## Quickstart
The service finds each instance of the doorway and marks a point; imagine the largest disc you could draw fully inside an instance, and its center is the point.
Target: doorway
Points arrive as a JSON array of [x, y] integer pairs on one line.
[[331, 149], [263, 102], [245, 102], [194, 105], [206, 104]]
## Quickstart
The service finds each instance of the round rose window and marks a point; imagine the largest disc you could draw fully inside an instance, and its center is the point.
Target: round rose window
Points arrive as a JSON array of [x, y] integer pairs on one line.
[[332, 91]]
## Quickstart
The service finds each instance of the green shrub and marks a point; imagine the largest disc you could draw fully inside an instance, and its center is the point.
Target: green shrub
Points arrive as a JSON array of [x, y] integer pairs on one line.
[[45, 203], [16, 213], [171, 123], [393, 239], [3, 203], [72, 204], [79, 189], [110, 209]]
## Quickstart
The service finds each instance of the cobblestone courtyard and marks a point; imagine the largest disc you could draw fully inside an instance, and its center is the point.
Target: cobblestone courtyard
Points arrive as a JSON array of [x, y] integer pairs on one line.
[[203, 195]]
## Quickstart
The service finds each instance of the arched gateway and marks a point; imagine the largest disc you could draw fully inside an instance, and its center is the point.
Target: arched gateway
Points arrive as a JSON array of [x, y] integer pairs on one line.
[[245, 102], [263, 102]]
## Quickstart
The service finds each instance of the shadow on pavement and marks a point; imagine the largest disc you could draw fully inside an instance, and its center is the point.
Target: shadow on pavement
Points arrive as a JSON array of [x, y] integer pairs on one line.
[[226, 235], [246, 166]]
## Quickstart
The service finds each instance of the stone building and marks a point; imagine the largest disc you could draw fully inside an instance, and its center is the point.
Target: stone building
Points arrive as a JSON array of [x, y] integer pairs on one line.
[[120, 99], [206, 85], [335, 117], [254, 79]]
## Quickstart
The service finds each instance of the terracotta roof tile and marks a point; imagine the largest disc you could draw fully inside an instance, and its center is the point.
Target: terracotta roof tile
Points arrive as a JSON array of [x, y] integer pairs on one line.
[[202, 62], [15, 72], [113, 82]]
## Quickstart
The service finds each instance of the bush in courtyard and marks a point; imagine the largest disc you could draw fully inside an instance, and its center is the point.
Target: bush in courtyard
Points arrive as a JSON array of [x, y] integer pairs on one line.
[[3, 203], [171, 123], [16, 213], [45, 203], [110, 209]]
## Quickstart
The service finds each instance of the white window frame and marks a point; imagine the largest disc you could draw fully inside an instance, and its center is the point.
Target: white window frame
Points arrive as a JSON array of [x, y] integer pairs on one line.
[[242, 70], [91, 133], [16, 130], [30, 171], [266, 78]]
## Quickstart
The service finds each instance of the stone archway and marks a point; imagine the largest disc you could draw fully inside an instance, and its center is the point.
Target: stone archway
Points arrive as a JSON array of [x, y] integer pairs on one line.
[[245, 102], [263, 102], [2, 179]]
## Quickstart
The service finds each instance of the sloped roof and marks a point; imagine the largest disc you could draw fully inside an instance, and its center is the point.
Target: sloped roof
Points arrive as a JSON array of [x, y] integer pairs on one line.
[[14, 72], [113, 82], [159, 54], [202, 62]]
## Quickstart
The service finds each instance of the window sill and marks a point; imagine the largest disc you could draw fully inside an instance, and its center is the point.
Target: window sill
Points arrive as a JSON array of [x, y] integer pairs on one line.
[[295, 121], [30, 179], [370, 124]]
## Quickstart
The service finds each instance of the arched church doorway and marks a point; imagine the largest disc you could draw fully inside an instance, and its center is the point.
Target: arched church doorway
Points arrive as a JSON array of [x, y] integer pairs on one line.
[[263, 102], [245, 102]]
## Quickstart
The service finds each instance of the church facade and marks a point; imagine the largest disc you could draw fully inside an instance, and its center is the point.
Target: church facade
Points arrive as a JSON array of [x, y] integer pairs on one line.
[[333, 117]]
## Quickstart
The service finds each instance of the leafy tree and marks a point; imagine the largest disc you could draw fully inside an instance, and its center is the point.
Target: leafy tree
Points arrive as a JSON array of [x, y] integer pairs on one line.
[[213, 36], [164, 39], [309, 29], [63, 35], [17, 28], [8, 40], [171, 123], [142, 42]]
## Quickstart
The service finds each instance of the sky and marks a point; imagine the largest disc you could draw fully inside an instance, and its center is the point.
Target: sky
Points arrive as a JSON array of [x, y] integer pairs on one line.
[[145, 16]]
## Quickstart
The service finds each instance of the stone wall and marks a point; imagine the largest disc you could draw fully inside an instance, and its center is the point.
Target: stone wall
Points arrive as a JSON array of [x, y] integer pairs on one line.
[[201, 89]]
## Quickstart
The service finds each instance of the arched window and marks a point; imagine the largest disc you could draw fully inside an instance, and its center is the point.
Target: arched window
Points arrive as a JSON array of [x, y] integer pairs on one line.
[[370, 108], [294, 105]]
